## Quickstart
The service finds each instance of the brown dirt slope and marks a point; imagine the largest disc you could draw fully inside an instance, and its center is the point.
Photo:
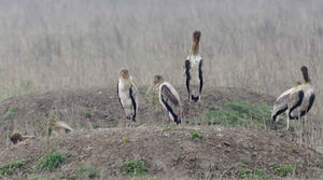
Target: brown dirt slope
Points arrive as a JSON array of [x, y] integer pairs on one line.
[[97, 108], [169, 152]]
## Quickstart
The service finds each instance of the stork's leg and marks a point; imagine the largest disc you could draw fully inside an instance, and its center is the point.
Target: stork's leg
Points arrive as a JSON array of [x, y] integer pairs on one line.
[[198, 112], [288, 119], [300, 131]]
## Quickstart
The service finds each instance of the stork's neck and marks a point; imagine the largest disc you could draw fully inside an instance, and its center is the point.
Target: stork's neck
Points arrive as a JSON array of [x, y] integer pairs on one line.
[[306, 77], [195, 48]]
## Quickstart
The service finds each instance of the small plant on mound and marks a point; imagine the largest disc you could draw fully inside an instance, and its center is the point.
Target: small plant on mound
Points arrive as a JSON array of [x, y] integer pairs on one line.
[[134, 168], [51, 161], [10, 168], [10, 113], [283, 170], [195, 134], [125, 140], [321, 165], [293, 149]]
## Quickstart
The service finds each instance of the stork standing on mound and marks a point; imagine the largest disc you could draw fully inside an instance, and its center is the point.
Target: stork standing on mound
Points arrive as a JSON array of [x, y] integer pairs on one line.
[[127, 93], [168, 98], [194, 71], [300, 110], [296, 101]]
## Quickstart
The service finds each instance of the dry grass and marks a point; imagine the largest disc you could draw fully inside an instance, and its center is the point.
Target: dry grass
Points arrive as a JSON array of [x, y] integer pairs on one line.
[[260, 45]]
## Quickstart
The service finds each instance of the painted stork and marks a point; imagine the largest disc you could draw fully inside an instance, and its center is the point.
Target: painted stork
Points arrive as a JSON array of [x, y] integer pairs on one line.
[[58, 127], [194, 71], [296, 101], [168, 98], [308, 99], [127, 93]]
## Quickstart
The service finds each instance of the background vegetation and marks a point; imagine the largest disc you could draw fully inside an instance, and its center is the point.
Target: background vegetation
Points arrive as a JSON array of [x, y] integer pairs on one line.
[[259, 45]]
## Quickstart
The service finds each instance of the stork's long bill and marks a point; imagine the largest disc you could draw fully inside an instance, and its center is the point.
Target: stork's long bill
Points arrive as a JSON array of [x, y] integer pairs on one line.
[[196, 40]]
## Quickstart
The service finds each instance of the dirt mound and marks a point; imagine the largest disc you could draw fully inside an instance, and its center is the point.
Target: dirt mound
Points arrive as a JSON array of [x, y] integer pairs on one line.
[[98, 108], [169, 151]]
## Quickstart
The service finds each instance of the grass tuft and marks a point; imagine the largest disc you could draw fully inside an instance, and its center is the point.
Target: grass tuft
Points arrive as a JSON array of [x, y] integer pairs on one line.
[[51, 161], [195, 134], [284, 170], [134, 168], [10, 168]]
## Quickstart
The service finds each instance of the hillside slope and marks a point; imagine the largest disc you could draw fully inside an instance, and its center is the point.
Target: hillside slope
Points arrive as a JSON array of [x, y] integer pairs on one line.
[[168, 152], [99, 108]]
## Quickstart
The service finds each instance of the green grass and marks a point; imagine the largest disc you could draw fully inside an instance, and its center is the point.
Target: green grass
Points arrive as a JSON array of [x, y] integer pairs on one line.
[[246, 173], [240, 114], [51, 161], [321, 165], [293, 149], [125, 140], [134, 168], [10, 113], [283, 170], [195, 134], [10, 168]]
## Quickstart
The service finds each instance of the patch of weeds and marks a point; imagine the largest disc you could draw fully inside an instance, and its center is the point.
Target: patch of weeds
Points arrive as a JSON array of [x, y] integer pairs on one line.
[[87, 115], [195, 134], [260, 173], [10, 168], [11, 113], [246, 163], [283, 170], [51, 161], [214, 175], [93, 173], [293, 149], [321, 165], [241, 174], [134, 168], [241, 114], [125, 140], [85, 171]]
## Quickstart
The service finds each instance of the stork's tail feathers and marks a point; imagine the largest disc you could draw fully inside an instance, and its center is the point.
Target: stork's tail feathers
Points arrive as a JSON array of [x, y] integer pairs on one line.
[[195, 98]]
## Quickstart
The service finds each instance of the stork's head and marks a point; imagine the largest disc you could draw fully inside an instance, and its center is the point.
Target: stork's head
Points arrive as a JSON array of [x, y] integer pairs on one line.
[[124, 73], [305, 74], [196, 40], [158, 79], [196, 36]]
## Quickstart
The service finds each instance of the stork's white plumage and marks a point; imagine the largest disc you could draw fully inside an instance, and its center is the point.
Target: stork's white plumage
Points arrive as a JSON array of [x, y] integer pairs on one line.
[[296, 102], [168, 98], [194, 70], [308, 99], [58, 127], [127, 93]]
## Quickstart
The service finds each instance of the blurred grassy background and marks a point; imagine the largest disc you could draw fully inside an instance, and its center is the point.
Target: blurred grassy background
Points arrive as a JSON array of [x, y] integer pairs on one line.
[[254, 44]]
